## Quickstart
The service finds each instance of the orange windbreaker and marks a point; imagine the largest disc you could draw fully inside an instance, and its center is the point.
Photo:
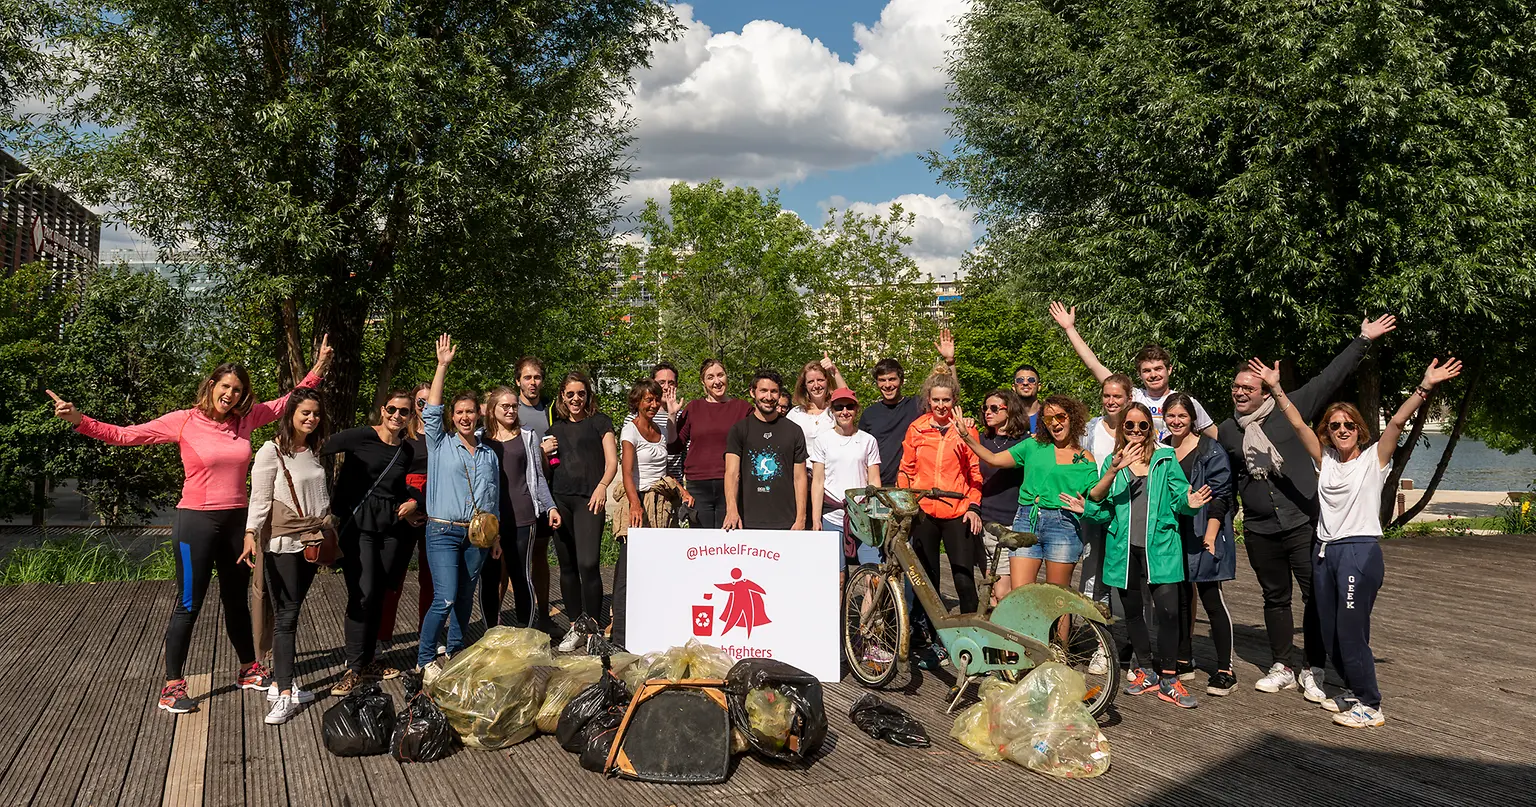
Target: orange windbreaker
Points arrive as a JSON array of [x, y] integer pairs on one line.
[[930, 459]]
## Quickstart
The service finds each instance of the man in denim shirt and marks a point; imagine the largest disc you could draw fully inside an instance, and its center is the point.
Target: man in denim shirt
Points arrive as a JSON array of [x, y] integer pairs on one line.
[[461, 478]]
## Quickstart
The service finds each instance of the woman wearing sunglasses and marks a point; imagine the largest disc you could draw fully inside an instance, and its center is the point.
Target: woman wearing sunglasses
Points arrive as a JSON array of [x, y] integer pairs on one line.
[[1140, 495], [1347, 567], [589, 458], [413, 528], [1005, 423], [370, 503]]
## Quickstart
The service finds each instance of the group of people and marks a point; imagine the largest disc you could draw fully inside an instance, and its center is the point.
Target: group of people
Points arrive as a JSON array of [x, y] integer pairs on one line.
[[1139, 502]]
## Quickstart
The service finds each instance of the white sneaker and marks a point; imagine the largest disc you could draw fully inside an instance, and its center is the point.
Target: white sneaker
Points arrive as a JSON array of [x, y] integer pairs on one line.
[[1279, 677], [1099, 664], [303, 696], [283, 710], [573, 637], [1360, 717], [430, 672], [1308, 679]]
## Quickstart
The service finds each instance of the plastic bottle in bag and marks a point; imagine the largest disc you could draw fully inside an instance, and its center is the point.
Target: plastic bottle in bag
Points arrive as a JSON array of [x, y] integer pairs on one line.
[[1042, 724], [493, 690]]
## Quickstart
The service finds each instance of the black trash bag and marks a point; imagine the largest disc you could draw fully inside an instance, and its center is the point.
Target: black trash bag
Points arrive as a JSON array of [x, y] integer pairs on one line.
[[360, 725], [588, 705], [422, 733], [600, 734], [778, 707], [887, 722]]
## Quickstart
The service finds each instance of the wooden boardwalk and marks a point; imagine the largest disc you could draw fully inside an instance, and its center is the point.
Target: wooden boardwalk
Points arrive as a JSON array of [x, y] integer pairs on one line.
[[80, 667]]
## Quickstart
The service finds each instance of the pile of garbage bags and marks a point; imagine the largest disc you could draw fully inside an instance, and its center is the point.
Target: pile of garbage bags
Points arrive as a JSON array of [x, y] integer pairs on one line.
[[1040, 723]]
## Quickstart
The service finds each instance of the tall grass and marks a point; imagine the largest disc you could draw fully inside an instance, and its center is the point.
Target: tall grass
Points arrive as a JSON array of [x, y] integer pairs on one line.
[[81, 560]]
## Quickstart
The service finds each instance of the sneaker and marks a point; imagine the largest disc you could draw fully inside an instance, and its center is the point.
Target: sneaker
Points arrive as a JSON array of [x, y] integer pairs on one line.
[[1279, 677], [1341, 703], [254, 676], [301, 695], [577, 635], [350, 680], [1359, 717], [1220, 683], [173, 698], [1186, 670], [875, 654], [1142, 681], [430, 672], [926, 657], [283, 709], [378, 669], [1308, 680], [1099, 664], [1173, 691]]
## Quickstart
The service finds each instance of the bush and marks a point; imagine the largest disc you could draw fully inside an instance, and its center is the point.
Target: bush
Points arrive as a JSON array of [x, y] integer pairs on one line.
[[78, 559]]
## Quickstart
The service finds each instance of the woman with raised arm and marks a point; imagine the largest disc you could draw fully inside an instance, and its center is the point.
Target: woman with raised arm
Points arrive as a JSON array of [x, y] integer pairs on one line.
[[289, 497], [1139, 495], [701, 429], [1347, 566], [589, 458], [372, 503], [462, 474], [208, 533], [525, 500], [1210, 549], [1005, 425]]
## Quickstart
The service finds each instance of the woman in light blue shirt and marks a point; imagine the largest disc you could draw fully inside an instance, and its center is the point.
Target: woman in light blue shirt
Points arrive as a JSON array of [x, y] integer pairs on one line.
[[462, 472]]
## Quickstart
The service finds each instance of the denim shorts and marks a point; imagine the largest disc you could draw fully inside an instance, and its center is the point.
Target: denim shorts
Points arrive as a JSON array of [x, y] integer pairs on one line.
[[1058, 538], [862, 552]]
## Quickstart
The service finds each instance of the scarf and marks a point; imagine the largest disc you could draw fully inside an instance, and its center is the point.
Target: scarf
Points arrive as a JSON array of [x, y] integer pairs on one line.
[[1259, 453]]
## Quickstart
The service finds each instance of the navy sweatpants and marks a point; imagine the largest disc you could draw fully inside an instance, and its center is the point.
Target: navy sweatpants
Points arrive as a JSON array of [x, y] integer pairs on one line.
[[1346, 574]]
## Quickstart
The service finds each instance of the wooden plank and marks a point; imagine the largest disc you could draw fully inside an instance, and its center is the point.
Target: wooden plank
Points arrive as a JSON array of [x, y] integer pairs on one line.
[[189, 750], [177, 744]]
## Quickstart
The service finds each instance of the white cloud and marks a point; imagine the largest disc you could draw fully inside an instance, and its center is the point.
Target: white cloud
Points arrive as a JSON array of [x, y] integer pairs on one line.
[[941, 231], [768, 104]]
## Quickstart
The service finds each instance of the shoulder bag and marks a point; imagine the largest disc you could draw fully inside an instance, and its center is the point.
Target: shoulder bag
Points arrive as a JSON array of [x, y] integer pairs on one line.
[[321, 544], [484, 528]]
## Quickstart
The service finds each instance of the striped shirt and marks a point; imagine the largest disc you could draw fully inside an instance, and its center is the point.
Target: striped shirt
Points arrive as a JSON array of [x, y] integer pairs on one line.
[[675, 458]]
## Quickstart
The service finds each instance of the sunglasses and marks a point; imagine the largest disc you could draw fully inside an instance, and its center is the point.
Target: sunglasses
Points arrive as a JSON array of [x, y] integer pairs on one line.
[[993, 409], [1136, 426], [397, 410], [1343, 426], [421, 403], [1024, 379], [843, 407], [1056, 418], [580, 393]]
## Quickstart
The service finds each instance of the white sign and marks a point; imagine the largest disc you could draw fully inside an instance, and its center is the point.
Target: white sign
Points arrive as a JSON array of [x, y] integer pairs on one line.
[[752, 593]]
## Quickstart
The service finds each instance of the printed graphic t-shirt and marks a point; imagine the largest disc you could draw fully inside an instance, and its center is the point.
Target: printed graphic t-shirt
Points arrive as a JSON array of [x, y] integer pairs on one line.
[[769, 453], [1155, 406]]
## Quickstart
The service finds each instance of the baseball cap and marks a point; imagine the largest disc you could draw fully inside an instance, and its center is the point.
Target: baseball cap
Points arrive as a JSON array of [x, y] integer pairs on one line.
[[843, 394]]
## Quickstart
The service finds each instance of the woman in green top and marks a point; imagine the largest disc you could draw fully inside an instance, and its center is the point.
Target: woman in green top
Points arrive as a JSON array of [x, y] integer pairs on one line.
[[1054, 465], [1140, 495]]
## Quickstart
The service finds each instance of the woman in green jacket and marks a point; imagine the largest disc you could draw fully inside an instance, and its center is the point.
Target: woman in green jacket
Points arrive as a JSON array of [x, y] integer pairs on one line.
[[1140, 495]]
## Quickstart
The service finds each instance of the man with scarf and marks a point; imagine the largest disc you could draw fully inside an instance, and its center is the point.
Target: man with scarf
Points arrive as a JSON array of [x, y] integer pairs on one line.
[[1278, 487]]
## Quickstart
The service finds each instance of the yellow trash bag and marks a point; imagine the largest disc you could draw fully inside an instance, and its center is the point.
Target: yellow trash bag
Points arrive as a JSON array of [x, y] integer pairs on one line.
[[692, 660], [492, 690], [572, 674], [973, 727], [770, 714], [1042, 724]]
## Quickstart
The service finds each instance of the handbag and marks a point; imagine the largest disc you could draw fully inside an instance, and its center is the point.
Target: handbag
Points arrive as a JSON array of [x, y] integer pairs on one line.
[[484, 528], [321, 543]]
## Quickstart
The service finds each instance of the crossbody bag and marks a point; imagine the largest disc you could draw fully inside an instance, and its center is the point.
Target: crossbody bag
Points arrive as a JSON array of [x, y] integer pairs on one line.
[[484, 528], [318, 535]]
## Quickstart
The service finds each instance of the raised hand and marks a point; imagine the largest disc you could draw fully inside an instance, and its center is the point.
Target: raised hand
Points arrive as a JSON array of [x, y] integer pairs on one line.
[[1440, 373], [1064, 316], [1270, 375], [445, 350], [1072, 503], [324, 355], [1123, 459], [967, 425], [64, 410], [827, 363], [669, 401], [1374, 329], [1199, 498], [945, 344]]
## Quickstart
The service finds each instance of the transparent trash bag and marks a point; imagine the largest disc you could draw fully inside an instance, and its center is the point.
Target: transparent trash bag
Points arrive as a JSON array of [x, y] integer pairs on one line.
[[769, 713], [692, 660], [572, 674], [1042, 724], [973, 726], [493, 690]]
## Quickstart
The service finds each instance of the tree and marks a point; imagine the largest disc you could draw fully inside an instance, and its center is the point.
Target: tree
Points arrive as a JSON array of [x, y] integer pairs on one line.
[[1236, 178], [376, 171], [29, 319]]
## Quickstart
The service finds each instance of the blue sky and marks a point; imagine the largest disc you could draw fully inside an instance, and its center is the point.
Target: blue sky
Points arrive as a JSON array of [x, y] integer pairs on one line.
[[830, 102]]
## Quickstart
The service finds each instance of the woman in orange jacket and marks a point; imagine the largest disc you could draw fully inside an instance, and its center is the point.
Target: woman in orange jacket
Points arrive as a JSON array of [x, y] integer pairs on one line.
[[933, 455]]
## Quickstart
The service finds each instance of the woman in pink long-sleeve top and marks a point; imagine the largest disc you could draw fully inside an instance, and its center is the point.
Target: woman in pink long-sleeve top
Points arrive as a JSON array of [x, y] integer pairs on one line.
[[215, 441]]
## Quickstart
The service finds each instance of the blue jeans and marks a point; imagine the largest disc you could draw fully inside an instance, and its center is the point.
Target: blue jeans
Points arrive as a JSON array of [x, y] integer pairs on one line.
[[1056, 531], [455, 564]]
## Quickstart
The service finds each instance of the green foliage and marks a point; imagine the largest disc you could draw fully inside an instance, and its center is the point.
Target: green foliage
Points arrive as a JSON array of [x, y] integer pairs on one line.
[[29, 317], [1519, 518], [1234, 177], [78, 559]]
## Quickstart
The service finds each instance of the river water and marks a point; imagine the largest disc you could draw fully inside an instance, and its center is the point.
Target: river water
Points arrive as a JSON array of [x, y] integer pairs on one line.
[[1474, 466]]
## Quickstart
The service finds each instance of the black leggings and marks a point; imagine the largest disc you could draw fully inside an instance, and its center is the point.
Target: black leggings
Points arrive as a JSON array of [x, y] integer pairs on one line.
[[708, 503], [1165, 609], [578, 545], [959, 545], [1216, 611], [204, 540], [369, 561], [516, 564], [288, 579]]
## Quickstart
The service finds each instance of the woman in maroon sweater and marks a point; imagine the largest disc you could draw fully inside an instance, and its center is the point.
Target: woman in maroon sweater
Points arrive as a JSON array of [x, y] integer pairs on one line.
[[701, 430]]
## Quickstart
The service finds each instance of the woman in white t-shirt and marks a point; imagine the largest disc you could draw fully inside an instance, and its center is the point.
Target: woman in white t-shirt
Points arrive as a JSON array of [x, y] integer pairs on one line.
[[842, 458], [1347, 569]]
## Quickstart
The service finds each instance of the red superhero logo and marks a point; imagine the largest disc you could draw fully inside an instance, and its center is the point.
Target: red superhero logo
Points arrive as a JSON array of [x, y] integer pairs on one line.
[[744, 608]]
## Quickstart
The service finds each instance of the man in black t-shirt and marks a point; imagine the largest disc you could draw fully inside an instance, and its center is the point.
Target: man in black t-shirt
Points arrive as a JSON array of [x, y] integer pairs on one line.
[[765, 465]]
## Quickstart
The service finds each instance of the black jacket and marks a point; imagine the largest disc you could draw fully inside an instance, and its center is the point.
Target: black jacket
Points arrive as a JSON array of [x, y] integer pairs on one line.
[[1274, 505]]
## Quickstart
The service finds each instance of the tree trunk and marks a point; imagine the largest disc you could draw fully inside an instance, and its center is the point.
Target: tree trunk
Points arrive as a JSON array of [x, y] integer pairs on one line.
[[295, 365], [1368, 382], [1450, 446], [1400, 458], [394, 351]]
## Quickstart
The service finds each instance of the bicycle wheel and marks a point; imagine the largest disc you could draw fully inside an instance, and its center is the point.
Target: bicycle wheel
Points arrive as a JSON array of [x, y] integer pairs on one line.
[[873, 622], [1090, 650]]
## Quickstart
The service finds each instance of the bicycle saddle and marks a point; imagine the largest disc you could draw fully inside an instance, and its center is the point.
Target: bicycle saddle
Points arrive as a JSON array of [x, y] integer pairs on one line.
[[1007, 538]]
